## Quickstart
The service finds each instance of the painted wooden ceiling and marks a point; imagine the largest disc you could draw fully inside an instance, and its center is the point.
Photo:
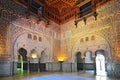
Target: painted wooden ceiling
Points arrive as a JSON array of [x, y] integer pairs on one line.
[[61, 4], [59, 11]]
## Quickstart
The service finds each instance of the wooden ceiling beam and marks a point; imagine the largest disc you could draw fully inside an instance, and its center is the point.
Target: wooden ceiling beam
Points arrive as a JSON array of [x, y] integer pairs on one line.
[[40, 3]]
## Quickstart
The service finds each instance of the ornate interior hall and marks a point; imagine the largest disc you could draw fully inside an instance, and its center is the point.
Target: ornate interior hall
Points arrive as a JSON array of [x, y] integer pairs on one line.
[[60, 39]]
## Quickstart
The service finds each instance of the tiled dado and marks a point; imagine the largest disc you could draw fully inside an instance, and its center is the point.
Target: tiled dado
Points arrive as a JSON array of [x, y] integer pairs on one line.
[[113, 70], [7, 68]]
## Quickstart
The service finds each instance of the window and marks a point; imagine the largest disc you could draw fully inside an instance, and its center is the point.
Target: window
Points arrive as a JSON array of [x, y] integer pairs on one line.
[[29, 36], [86, 39], [92, 37], [40, 39], [81, 40], [85, 9], [35, 37]]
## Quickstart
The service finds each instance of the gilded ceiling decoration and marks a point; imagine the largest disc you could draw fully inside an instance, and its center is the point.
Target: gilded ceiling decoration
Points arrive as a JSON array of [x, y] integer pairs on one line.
[[61, 4], [62, 11]]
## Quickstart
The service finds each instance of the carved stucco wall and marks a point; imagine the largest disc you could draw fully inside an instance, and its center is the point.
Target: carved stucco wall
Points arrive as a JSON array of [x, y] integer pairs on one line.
[[103, 29], [98, 43], [18, 26], [30, 44], [3, 37], [106, 28], [19, 33], [4, 40]]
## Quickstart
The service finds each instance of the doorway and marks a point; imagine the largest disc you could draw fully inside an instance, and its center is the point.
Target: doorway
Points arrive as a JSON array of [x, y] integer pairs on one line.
[[43, 61], [100, 63], [79, 61], [22, 60], [88, 57], [89, 62]]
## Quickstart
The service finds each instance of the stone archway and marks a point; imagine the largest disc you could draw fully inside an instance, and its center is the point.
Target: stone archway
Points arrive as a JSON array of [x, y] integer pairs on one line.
[[23, 53], [88, 60], [30, 44], [88, 57], [43, 56], [22, 41], [100, 63], [22, 59], [79, 61], [91, 45], [43, 60]]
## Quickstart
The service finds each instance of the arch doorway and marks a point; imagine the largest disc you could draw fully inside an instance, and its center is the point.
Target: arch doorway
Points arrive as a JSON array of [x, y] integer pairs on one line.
[[23, 53], [79, 61], [43, 61], [89, 63], [100, 63], [22, 59], [88, 57]]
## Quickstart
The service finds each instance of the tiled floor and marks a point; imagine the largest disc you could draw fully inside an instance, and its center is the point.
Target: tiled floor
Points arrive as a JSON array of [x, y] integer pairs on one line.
[[88, 75]]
